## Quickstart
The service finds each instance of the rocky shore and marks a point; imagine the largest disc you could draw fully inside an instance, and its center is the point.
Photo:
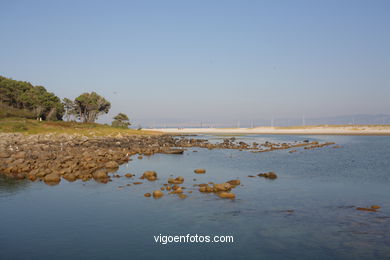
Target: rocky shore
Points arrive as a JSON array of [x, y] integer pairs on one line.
[[51, 158]]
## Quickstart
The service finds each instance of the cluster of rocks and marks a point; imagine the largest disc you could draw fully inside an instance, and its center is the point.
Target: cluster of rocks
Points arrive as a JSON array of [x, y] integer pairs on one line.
[[221, 189], [53, 157]]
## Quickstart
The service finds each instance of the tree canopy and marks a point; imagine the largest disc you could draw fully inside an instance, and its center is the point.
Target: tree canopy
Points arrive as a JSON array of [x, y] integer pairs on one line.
[[88, 106], [23, 95], [121, 120]]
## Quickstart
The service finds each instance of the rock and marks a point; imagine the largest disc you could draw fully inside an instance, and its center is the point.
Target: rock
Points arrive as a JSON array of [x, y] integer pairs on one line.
[[375, 207], [69, 177], [129, 175], [200, 171], [222, 187], [178, 180], [140, 157], [100, 174], [172, 151], [32, 177], [177, 191], [20, 155], [111, 165], [206, 188], [366, 209], [268, 175], [157, 194], [137, 183], [4, 155], [52, 178], [182, 196], [147, 195], [234, 182], [149, 175], [227, 195]]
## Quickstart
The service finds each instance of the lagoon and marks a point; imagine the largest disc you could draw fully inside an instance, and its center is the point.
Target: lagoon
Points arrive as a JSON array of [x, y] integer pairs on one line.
[[308, 212]]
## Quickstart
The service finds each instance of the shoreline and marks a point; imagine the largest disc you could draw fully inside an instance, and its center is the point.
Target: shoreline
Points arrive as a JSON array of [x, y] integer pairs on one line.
[[304, 130]]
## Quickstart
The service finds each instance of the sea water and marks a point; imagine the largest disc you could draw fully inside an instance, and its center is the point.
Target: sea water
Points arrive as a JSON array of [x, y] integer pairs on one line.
[[309, 212]]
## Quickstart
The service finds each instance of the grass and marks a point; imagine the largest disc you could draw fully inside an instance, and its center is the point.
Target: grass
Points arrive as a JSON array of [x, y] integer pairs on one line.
[[29, 126]]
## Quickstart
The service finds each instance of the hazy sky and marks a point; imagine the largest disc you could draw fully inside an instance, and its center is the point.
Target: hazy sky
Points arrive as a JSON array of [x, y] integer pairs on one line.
[[205, 60]]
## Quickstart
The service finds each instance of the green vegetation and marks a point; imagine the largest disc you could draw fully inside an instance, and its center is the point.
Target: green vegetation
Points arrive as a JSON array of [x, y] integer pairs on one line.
[[86, 107], [28, 126], [22, 99], [121, 120]]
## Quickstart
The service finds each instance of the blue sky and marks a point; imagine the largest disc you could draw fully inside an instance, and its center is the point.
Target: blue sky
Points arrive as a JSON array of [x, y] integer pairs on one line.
[[217, 61]]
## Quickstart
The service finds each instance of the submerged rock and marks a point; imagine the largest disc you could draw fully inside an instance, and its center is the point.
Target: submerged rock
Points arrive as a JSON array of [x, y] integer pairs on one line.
[[367, 209], [234, 182], [268, 175], [227, 195]]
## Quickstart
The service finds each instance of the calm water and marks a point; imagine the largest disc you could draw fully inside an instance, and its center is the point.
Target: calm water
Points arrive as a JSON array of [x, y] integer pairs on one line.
[[101, 221]]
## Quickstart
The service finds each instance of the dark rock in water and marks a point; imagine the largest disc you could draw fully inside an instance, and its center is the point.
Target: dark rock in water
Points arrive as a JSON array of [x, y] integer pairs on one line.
[[234, 182], [367, 209], [375, 207], [172, 151], [137, 182], [129, 175], [147, 194], [200, 171], [268, 175]]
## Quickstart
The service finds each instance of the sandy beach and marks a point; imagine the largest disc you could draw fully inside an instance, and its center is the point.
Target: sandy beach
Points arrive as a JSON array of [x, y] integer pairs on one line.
[[306, 130]]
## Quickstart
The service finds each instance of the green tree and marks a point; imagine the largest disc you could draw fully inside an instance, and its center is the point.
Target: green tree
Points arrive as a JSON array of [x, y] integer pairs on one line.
[[23, 96], [69, 107], [89, 106], [121, 120]]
